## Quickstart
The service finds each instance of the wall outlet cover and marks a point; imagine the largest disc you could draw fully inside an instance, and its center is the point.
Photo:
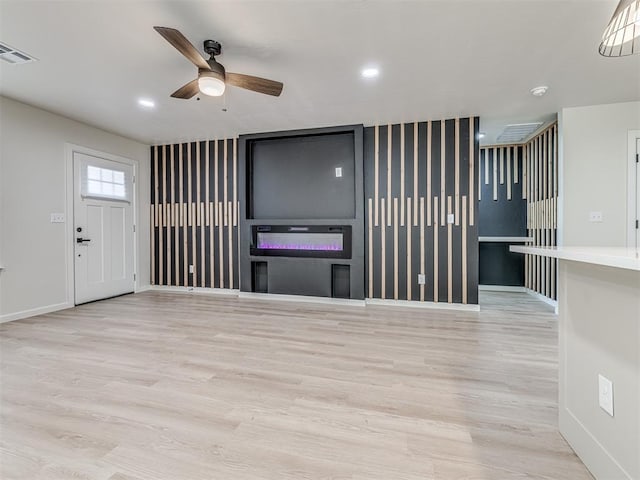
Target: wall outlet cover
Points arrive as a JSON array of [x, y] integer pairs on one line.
[[190, 268], [338, 172], [595, 217], [451, 218], [422, 279], [605, 394], [57, 218]]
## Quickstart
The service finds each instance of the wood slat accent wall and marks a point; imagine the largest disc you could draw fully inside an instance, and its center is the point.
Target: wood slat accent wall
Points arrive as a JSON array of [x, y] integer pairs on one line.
[[438, 160], [194, 214], [541, 163]]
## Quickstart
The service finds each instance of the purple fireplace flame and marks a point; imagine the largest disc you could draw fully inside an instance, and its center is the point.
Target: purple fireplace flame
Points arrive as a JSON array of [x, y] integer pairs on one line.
[[300, 241]]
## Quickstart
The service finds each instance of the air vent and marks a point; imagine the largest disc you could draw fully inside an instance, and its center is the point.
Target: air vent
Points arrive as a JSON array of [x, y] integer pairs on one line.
[[518, 132], [13, 56]]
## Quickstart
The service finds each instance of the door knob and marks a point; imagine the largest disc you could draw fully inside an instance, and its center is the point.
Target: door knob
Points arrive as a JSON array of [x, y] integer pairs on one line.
[[82, 240]]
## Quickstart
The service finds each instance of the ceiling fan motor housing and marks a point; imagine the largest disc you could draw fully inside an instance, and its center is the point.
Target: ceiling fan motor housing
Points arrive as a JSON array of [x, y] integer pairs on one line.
[[212, 47]]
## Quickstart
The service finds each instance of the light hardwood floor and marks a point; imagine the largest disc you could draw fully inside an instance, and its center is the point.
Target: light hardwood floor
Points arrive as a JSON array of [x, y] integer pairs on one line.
[[187, 387]]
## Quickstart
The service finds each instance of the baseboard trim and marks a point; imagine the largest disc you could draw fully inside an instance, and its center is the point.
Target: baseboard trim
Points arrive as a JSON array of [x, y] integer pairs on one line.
[[501, 288], [10, 317], [198, 290], [590, 451], [415, 304], [542, 298], [302, 298]]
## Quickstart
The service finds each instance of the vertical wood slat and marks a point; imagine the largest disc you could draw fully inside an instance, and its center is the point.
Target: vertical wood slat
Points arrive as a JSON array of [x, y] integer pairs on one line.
[[422, 259], [216, 159], [370, 248], [182, 208], [502, 165], [436, 249], [480, 175], [212, 249], [169, 197], [429, 142], [525, 171], [465, 276], [509, 173], [472, 170], [383, 250], [225, 181], [176, 223], [486, 165], [456, 167], [220, 244], [416, 173], [449, 253], [516, 159], [402, 173], [395, 248], [235, 183], [443, 169], [153, 243], [230, 240], [409, 279], [376, 170], [495, 174], [389, 194], [200, 270], [160, 223]]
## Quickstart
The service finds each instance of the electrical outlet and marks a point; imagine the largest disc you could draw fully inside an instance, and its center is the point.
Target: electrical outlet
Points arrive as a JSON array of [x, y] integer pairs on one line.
[[422, 279], [190, 268], [451, 218], [605, 394], [57, 218], [338, 172], [595, 217]]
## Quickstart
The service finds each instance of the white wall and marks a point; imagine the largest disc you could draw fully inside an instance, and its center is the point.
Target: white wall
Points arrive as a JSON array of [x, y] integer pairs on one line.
[[594, 165], [32, 186]]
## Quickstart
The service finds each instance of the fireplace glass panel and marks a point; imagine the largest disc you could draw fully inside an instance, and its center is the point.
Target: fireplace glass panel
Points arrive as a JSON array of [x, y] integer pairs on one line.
[[322, 242]]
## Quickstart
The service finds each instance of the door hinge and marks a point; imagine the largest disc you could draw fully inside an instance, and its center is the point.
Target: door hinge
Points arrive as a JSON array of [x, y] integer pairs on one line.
[[637, 224], [134, 228], [637, 157], [134, 277], [134, 178]]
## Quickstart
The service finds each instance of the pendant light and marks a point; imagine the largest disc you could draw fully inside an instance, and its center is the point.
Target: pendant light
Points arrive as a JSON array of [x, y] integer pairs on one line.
[[622, 35]]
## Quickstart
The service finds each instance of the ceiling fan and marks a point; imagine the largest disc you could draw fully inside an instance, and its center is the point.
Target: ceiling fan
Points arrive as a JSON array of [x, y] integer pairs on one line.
[[212, 77]]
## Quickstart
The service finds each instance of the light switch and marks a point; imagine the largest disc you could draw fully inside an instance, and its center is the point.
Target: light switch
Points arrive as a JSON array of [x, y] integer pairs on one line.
[[605, 394], [338, 172], [451, 218], [422, 279], [57, 218]]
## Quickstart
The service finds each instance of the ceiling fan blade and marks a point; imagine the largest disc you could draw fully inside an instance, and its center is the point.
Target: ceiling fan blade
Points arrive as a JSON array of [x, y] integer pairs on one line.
[[257, 84], [175, 38], [187, 91]]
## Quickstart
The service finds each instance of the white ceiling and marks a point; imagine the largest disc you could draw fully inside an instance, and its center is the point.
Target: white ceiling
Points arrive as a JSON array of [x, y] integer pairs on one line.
[[438, 59]]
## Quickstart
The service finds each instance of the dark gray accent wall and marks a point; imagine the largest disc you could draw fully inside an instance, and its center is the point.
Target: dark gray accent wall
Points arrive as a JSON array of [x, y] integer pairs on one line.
[[409, 146]]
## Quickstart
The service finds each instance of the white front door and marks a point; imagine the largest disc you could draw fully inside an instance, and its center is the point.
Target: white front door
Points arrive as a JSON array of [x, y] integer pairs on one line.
[[103, 228]]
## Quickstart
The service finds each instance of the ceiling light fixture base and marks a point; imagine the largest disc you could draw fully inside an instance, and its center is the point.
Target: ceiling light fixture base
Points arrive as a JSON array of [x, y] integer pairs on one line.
[[212, 47], [539, 91]]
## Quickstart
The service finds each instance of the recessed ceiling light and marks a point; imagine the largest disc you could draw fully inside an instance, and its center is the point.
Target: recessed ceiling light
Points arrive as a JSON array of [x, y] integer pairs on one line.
[[539, 91], [146, 103], [370, 72]]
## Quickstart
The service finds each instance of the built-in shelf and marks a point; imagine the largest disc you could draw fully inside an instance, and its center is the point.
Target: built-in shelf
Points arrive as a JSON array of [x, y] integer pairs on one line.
[[505, 239]]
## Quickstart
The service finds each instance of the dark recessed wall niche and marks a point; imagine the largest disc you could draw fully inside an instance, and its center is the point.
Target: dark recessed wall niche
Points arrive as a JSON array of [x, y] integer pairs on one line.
[[299, 184]]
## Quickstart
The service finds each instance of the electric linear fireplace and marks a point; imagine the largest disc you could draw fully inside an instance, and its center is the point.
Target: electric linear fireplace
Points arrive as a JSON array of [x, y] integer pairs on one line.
[[316, 241]]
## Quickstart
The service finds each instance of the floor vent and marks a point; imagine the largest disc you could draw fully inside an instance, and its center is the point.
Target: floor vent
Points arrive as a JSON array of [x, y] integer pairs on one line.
[[13, 56], [517, 133]]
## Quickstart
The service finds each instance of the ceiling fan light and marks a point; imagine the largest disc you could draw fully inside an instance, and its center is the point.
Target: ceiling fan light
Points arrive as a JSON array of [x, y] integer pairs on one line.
[[210, 84], [622, 35]]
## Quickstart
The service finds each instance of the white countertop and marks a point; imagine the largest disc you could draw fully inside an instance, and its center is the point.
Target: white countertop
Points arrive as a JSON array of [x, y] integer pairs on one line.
[[608, 256]]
